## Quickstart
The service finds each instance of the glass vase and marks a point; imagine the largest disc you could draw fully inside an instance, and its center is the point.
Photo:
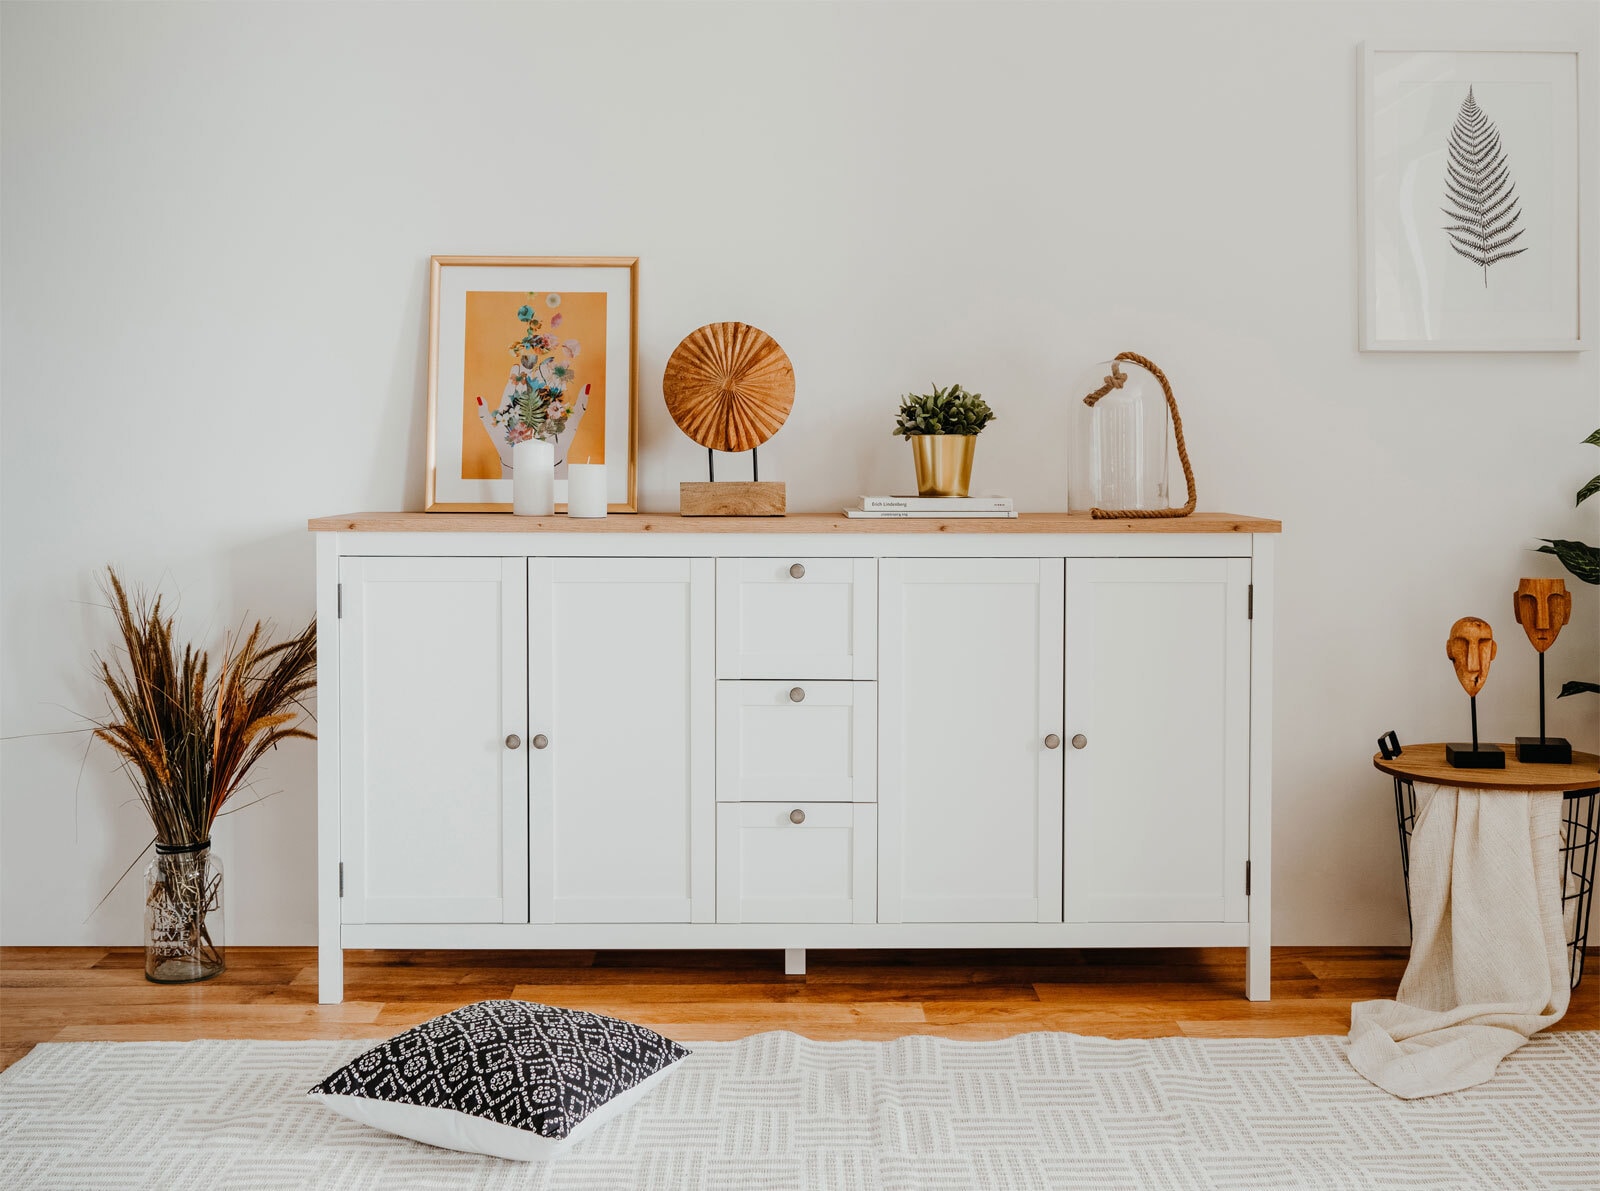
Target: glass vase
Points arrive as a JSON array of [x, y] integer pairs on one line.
[[183, 914], [1121, 456]]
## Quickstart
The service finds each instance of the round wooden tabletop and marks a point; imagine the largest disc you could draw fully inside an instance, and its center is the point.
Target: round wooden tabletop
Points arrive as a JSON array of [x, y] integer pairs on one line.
[[1426, 763]]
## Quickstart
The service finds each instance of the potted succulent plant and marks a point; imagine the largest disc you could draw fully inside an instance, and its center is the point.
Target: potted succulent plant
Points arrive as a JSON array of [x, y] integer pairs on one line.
[[942, 428]]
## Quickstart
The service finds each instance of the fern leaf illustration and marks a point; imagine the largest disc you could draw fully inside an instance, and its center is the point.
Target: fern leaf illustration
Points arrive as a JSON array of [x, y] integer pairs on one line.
[[1480, 193]]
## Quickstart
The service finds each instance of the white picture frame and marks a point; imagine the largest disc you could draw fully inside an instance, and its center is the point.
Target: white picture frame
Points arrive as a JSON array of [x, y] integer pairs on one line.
[[1505, 127]]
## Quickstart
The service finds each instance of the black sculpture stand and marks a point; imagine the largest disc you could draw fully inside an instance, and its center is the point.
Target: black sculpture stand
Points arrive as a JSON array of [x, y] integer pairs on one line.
[[1540, 749], [1475, 755]]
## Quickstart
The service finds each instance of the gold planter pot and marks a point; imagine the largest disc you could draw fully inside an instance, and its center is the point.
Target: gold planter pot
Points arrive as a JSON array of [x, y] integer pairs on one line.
[[944, 463]]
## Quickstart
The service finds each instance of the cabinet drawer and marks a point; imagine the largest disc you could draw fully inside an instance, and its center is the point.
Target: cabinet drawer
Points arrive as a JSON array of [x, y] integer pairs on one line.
[[797, 618], [812, 741], [773, 869]]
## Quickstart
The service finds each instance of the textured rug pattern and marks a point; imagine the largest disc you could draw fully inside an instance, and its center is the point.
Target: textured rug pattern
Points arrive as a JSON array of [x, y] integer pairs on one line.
[[777, 1112]]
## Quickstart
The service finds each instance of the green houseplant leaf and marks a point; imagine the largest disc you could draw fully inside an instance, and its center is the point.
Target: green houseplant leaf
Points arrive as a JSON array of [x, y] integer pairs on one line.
[[1582, 559], [950, 410]]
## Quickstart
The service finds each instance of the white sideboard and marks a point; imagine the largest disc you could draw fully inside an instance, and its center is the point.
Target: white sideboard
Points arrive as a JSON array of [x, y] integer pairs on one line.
[[662, 732]]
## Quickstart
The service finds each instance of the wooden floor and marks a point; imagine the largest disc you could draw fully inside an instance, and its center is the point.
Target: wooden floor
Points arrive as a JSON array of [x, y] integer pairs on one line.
[[52, 994]]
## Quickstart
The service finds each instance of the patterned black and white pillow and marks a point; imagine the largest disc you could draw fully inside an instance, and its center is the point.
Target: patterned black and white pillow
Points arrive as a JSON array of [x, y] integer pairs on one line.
[[507, 1078]]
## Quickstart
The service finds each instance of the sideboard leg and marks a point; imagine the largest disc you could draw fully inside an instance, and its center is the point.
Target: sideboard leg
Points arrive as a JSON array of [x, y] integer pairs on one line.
[[330, 975], [1258, 967], [794, 961]]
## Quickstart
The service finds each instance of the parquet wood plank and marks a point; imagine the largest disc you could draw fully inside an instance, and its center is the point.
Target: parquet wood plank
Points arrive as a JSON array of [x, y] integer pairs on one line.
[[83, 994]]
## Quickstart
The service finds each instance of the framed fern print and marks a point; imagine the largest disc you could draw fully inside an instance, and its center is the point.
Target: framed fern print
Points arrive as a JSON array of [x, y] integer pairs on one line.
[[1473, 183]]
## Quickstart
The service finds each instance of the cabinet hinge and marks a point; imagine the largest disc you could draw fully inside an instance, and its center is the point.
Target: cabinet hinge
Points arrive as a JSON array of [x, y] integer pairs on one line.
[[1246, 878], [341, 878], [1250, 603], [339, 601]]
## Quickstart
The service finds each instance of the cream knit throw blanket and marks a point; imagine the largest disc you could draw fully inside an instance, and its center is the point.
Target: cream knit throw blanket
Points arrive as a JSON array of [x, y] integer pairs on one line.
[[1488, 951]]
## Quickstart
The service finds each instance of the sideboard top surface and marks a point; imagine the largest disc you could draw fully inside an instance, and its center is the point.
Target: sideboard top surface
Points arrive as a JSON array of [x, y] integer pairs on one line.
[[813, 523]]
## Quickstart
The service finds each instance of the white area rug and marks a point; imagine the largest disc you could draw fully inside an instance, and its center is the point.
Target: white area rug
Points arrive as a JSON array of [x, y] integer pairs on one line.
[[1040, 1111]]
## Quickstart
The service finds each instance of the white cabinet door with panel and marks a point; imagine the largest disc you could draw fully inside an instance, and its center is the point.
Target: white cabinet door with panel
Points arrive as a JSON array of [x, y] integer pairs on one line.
[[1158, 720], [432, 776], [812, 741], [795, 862], [790, 618], [969, 783], [621, 711]]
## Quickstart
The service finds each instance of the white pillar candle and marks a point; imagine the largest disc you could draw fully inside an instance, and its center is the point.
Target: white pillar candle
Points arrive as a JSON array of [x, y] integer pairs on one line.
[[533, 478], [586, 489]]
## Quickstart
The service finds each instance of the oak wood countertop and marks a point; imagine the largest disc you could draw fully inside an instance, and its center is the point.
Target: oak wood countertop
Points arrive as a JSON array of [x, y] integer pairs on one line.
[[814, 523]]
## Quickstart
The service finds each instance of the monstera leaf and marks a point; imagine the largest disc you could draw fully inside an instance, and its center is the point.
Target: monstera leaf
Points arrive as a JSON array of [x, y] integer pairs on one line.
[[1481, 197]]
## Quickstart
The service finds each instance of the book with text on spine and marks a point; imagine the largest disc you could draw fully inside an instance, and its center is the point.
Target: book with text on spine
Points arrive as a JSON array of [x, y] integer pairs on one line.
[[936, 504], [927, 514]]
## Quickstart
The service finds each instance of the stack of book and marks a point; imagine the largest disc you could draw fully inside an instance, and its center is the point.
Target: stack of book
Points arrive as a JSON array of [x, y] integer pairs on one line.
[[933, 506]]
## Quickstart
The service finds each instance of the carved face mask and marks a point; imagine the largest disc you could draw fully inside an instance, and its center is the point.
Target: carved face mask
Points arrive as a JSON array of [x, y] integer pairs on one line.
[[1471, 647], [1542, 607]]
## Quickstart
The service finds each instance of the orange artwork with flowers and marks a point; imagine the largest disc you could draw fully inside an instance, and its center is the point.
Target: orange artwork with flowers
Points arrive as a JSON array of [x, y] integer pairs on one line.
[[535, 367]]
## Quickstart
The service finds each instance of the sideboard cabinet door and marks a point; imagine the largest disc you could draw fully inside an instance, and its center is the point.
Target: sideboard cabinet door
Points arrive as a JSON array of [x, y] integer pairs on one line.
[[432, 681], [969, 790], [1158, 688], [622, 695]]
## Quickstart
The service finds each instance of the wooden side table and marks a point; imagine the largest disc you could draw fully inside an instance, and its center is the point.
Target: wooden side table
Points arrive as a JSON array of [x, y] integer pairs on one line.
[[1579, 782]]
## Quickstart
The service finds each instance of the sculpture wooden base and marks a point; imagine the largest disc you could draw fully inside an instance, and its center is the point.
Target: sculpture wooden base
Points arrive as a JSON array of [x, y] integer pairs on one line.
[[732, 498], [1552, 750], [1485, 756]]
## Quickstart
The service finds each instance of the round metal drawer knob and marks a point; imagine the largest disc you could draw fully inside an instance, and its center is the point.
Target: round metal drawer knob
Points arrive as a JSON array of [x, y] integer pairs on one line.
[[1079, 740], [797, 816], [513, 741], [1052, 741], [798, 571], [797, 694], [541, 741]]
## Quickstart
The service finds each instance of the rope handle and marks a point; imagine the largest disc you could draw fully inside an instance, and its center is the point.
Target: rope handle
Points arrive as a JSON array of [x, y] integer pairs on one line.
[[1116, 380]]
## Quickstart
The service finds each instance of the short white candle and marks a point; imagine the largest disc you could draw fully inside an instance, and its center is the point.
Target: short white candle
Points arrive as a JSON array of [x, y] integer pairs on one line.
[[586, 489]]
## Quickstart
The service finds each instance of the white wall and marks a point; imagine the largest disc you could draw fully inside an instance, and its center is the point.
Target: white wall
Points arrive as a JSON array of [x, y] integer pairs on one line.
[[215, 231]]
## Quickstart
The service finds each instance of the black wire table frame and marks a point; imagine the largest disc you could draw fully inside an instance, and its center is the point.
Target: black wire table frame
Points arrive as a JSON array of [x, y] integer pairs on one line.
[[1580, 817]]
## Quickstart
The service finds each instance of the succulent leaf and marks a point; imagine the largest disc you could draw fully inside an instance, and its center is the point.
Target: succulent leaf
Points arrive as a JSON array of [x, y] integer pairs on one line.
[[948, 410]]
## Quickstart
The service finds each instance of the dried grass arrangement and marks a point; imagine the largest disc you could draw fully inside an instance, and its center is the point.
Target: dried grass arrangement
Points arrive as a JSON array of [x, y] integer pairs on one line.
[[189, 737]]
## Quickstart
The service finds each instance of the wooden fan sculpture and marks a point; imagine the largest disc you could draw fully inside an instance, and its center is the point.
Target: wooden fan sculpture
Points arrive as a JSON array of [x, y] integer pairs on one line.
[[1543, 606], [1471, 648], [729, 387]]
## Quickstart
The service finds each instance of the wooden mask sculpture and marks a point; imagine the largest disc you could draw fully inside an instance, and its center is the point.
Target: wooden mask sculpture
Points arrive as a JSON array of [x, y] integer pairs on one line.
[[1542, 607], [1471, 647]]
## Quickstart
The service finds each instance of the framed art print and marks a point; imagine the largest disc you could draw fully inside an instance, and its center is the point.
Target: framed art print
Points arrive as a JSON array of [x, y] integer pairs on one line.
[[1472, 166], [566, 325]]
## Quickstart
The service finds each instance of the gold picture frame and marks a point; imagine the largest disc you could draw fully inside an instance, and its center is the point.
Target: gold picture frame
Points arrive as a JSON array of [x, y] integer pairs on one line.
[[473, 301]]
